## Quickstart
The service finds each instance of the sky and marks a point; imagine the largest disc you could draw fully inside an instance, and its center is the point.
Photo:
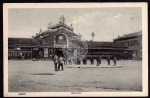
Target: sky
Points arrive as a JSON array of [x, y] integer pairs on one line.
[[106, 23]]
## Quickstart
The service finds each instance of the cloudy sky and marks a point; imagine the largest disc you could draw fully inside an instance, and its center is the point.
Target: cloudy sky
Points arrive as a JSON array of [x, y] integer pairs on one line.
[[106, 23]]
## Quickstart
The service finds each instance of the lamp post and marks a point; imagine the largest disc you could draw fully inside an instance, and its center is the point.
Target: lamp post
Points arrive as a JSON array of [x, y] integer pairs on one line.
[[93, 35]]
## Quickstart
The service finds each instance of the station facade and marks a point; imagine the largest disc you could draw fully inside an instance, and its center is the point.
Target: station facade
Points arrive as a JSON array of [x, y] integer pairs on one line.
[[58, 37]]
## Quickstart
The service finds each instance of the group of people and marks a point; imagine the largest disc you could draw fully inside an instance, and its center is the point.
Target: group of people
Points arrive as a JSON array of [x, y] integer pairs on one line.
[[99, 59], [114, 59], [58, 61]]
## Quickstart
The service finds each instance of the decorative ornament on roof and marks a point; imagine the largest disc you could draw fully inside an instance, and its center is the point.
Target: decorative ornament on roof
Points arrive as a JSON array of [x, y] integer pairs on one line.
[[62, 19], [49, 25]]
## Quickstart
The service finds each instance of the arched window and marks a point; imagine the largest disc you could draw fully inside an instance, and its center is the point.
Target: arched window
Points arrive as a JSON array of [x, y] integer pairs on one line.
[[60, 39]]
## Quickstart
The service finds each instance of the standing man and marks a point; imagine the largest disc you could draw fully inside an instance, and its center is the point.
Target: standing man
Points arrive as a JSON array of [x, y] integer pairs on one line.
[[55, 62], [79, 60], [65, 60], [84, 61], [91, 60], [99, 60], [108, 60], [60, 63], [115, 60], [70, 61]]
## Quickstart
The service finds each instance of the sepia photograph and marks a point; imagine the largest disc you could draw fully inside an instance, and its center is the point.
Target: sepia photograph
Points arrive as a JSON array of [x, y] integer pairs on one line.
[[75, 49]]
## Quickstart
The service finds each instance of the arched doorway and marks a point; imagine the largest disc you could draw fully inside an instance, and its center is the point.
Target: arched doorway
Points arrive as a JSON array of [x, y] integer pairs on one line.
[[60, 41]]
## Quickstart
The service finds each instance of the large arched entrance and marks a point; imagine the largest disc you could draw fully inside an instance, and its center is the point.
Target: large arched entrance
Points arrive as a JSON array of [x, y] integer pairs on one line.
[[60, 41]]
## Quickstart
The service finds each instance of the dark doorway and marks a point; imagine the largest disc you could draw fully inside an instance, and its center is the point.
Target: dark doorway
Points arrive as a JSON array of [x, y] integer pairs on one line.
[[59, 52]]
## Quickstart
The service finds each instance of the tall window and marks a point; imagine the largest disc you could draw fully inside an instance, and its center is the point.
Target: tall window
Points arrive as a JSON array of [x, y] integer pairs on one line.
[[131, 43], [134, 42], [128, 43]]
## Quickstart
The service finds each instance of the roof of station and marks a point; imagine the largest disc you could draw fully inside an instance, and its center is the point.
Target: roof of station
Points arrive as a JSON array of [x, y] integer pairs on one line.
[[29, 42], [53, 28], [100, 45], [131, 35]]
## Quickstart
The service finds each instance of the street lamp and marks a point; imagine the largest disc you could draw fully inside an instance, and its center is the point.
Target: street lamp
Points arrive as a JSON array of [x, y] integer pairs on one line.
[[93, 35]]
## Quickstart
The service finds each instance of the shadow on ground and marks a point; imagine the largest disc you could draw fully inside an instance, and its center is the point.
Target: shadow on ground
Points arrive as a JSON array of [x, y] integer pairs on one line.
[[42, 74]]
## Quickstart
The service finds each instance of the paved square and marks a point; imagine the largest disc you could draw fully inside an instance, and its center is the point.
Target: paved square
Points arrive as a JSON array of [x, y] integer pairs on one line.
[[39, 76]]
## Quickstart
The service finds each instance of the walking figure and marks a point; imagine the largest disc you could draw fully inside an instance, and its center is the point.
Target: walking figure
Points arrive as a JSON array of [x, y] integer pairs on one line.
[[55, 61], [115, 60], [60, 60], [108, 60]]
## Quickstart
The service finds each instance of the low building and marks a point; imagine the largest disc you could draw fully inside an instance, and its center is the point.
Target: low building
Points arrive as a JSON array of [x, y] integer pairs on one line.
[[19, 46], [134, 43]]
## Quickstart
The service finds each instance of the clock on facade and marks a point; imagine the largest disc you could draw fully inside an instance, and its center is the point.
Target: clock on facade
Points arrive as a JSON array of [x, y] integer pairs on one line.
[[61, 37]]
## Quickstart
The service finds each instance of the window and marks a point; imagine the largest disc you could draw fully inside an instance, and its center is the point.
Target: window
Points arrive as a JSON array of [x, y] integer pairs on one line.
[[134, 42], [10, 54], [28, 54], [128, 43], [131, 43]]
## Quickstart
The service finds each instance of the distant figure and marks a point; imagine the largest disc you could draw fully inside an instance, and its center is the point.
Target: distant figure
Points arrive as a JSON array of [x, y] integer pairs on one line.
[[56, 62], [70, 61], [84, 61], [115, 60], [108, 60], [92, 60], [99, 60], [22, 56], [79, 62], [65, 61], [60, 60]]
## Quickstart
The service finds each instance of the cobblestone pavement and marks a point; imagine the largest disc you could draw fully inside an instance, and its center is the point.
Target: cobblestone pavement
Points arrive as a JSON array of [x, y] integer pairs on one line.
[[39, 76]]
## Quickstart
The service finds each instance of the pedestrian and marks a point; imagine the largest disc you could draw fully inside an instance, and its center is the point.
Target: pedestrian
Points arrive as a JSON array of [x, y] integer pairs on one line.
[[77, 61], [91, 60], [108, 60], [115, 60], [79, 58], [60, 60], [99, 60], [70, 61], [65, 61], [85, 61], [56, 62]]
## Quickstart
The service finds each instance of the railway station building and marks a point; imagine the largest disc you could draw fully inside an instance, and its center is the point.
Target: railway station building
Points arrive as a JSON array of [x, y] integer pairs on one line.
[[59, 36]]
